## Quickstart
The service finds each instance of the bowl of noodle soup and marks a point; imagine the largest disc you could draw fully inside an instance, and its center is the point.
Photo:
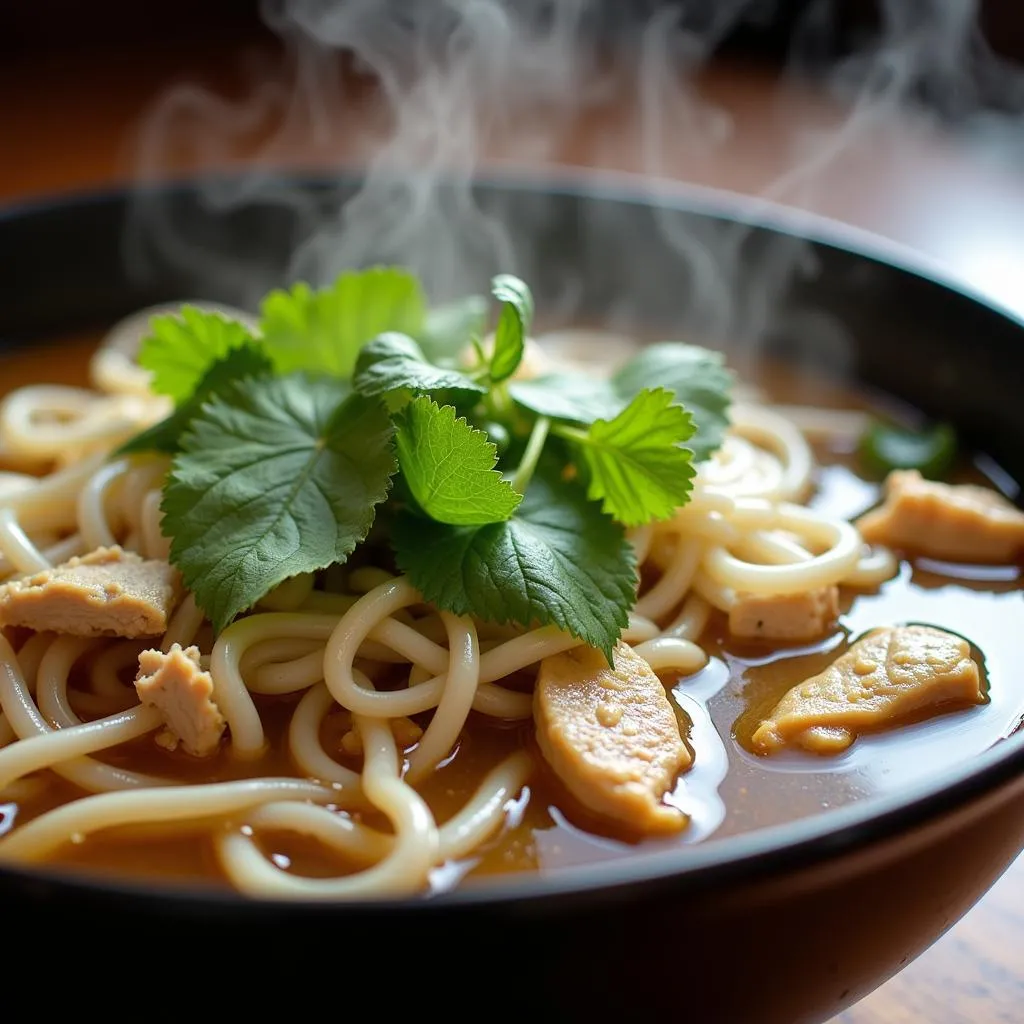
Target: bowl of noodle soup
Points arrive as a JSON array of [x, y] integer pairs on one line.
[[385, 766]]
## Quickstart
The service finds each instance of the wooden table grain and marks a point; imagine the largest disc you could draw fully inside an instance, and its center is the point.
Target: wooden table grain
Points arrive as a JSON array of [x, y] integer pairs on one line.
[[71, 122]]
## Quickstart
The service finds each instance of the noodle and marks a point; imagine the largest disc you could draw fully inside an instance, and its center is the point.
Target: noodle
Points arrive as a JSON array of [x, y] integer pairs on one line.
[[370, 656]]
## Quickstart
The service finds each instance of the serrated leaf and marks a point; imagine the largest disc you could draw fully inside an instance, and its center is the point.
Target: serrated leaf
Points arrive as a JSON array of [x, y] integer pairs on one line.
[[637, 467], [247, 361], [392, 362], [697, 378], [449, 329], [513, 325], [558, 561], [322, 331], [278, 476], [181, 347], [449, 466]]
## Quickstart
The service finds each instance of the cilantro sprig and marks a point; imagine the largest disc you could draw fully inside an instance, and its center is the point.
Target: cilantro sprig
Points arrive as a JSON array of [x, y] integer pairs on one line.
[[356, 404]]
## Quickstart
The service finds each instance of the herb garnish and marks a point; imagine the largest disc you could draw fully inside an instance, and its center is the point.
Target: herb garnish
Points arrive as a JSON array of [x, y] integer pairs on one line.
[[505, 498]]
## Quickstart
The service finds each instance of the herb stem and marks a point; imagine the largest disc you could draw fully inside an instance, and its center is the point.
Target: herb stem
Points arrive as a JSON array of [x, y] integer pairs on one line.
[[539, 434], [572, 434], [501, 403]]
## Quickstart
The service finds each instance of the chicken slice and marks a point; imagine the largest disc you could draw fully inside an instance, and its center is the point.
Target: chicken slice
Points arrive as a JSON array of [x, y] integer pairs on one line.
[[611, 736], [962, 523], [108, 592], [785, 616], [176, 684], [882, 679]]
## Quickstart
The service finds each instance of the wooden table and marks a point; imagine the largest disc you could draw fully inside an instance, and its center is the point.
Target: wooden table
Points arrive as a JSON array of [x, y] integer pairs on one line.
[[70, 122]]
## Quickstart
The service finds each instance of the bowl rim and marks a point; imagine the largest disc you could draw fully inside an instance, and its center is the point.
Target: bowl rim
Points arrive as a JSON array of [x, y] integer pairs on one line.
[[790, 846]]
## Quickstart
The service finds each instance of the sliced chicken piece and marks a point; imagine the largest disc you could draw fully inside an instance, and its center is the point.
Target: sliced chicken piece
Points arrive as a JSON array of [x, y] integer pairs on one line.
[[108, 592], [176, 684], [961, 523], [785, 616], [611, 736], [884, 678]]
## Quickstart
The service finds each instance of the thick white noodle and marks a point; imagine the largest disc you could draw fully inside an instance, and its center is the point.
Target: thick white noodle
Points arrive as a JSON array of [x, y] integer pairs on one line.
[[91, 814], [92, 504], [672, 654], [405, 868], [768, 429], [306, 749], [25, 718], [456, 700], [841, 540], [45, 751], [383, 601], [22, 555]]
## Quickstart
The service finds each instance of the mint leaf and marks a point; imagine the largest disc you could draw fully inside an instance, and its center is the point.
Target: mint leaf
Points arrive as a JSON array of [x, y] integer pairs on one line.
[[322, 331], [278, 476], [513, 325], [394, 361], [182, 346], [696, 376], [698, 379], [637, 468], [247, 361], [450, 328], [559, 560], [449, 466]]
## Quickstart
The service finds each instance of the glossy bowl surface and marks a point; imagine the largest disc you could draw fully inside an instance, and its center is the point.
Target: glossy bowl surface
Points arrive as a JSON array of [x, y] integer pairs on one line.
[[785, 924]]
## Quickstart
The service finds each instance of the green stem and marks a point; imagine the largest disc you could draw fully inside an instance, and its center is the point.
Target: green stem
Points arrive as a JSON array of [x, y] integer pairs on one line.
[[571, 433], [482, 362], [500, 400], [531, 456]]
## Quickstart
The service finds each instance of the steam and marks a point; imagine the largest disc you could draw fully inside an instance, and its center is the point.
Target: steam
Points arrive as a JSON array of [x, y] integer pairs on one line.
[[454, 79], [448, 89]]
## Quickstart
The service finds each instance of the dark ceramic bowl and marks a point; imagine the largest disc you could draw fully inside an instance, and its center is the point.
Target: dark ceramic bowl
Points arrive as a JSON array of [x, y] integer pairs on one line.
[[786, 924]]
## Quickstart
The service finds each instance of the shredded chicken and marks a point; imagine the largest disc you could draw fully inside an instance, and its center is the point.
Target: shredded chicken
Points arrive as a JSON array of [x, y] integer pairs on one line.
[[785, 616], [611, 736], [108, 592], [882, 679], [962, 523], [176, 684]]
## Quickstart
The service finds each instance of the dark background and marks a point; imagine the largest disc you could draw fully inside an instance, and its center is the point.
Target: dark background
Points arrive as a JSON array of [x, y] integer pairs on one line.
[[826, 29]]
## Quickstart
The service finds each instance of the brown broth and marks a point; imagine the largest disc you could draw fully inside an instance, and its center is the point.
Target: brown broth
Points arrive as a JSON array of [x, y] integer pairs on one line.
[[729, 790]]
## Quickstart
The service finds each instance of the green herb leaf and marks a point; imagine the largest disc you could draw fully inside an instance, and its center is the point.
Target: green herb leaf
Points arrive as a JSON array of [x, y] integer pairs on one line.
[[182, 346], [696, 377], [249, 360], [638, 469], [394, 361], [449, 467], [568, 396], [450, 328], [322, 331], [885, 447], [559, 560], [698, 380], [278, 476], [513, 325]]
